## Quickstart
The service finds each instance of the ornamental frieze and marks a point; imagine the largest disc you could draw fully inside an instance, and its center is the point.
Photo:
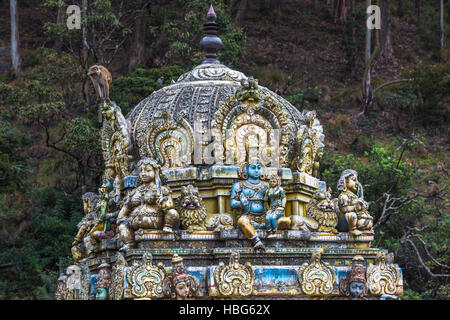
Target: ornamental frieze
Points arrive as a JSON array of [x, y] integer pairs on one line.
[[235, 279], [317, 278]]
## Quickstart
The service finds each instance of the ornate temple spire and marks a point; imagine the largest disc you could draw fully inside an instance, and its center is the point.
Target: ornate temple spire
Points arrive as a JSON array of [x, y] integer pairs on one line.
[[211, 43]]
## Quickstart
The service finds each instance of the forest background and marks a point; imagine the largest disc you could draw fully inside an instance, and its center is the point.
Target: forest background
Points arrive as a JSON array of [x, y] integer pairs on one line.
[[389, 124]]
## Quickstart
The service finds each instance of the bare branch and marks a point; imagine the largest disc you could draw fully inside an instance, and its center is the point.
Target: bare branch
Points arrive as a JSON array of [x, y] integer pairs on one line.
[[422, 263], [391, 206], [428, 253]]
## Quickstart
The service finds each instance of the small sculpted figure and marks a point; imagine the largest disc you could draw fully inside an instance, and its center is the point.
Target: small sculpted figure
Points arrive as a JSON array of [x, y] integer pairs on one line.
[[149, 206], [192, 209], [101, 79], [103, 229], [180, 285], [354, 216], [277, 203], [247, 197], [82, 243], [73, 282], [104, 282]]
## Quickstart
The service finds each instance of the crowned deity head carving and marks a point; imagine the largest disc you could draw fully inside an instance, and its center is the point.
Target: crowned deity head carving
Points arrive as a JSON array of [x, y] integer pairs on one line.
[[180, 285], [253, 170], [357, 279], [149, 171], [274, 180], [348, 181]]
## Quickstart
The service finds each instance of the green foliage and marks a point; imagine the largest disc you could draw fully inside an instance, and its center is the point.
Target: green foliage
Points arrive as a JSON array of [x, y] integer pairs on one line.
[[128, 91], [105, 32], [184, 31], [305, 98], [432, 85], [378, 171], [352, 43], [52, 219], [381, 171], [12, 163]]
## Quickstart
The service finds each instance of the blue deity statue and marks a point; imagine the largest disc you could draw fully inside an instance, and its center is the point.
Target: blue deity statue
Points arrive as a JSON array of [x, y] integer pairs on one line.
[[277, 202], [247, 197]]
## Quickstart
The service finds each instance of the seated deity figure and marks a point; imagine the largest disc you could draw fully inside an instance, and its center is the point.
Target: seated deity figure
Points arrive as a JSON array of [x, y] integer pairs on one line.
[[277, 202], [103, 228], [353, 214], [148, 206], [247, 197]]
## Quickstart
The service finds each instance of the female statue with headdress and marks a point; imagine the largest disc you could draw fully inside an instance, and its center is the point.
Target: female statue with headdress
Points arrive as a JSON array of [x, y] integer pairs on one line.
[[354, 216], [277, 202], [148, 206]]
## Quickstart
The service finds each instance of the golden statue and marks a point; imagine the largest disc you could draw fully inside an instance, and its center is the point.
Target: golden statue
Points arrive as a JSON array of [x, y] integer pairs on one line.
[[148, 206], [81, 243], [310, 146], [353, 214]]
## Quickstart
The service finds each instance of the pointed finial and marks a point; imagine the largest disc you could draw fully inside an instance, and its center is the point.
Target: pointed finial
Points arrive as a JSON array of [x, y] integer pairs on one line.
[[211, 43]]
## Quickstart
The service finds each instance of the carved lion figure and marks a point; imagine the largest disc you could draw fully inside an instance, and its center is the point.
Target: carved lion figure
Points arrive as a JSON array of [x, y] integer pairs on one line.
[[321, 215], [192, 210], [322, 209]]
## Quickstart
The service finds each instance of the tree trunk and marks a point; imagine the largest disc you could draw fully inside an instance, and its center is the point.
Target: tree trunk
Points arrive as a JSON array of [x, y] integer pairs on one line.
[[366, 92], [400, 11], [448, 11], [418, 4], [442, 24], [59, 21], [137, 55], [385, 32], [85, 56], [15, 56], [241, 9]]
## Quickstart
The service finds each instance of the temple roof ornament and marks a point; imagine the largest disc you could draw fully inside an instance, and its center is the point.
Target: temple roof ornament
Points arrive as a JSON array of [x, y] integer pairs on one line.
[[211, 43]]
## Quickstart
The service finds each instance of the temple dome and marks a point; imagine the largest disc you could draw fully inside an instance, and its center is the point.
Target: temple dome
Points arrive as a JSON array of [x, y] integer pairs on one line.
[[192, 102]]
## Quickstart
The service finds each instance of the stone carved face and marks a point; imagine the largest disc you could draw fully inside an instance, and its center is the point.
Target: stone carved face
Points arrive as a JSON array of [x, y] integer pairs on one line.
[[356, 289], [254, 170], [146, 173], [351, 183], [274, 181], [182, 290]]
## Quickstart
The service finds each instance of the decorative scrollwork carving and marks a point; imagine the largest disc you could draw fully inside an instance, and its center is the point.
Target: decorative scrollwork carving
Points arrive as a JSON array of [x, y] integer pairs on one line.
[[115, 140], [170, 142], [317, 278], [120, 288], [145, 279], [235, 279], [248, 122], [383, 277], [310, 146]]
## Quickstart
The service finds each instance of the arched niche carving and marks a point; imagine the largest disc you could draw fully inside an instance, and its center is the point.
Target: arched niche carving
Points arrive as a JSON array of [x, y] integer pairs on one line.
[[249, 126], [171, 142]]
